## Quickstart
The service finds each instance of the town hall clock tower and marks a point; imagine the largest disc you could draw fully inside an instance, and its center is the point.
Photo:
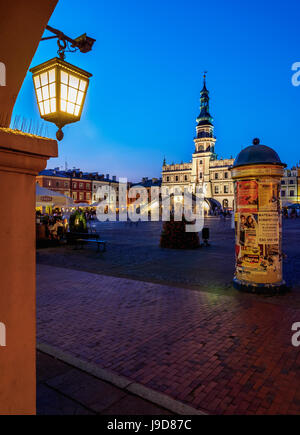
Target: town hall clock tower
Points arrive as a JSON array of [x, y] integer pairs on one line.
[[204, 146]]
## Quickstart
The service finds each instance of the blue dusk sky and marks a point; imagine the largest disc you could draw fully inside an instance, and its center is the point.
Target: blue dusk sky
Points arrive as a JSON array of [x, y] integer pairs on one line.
[[147, 67]]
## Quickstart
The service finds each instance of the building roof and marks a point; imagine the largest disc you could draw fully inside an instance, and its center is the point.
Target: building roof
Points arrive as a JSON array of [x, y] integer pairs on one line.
[[53, 173], [77, 174], [149, 183]]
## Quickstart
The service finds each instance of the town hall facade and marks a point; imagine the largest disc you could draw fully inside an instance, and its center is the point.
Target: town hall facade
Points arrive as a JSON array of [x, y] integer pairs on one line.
[[205, 170]]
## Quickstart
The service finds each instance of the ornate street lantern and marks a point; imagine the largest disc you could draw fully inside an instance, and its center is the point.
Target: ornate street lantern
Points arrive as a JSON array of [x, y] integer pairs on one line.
[[61, 87], [60, 91]]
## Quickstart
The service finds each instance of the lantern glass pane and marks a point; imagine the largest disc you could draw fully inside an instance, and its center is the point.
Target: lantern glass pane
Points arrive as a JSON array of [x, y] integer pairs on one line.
[[70, 108], [42, 109], [80, 98], [64, 92], [77, 110], [51, 75], [82, 86], [74, 82], [44, 79], [64, 77], [52, 90], [47, 107], [53, 105], [45, 92], [37, 82], [72, 95], [39, 95], [63, 105]]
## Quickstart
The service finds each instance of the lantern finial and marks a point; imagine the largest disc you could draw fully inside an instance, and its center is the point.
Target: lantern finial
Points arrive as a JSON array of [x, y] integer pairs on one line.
[[59, 135]]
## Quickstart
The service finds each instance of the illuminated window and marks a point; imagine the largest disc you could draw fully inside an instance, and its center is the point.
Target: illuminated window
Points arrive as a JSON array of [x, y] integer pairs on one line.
[[46, 92], [72, 92]]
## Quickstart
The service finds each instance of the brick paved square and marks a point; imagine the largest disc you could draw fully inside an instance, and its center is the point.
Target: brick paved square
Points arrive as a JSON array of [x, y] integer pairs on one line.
[[200, 341]]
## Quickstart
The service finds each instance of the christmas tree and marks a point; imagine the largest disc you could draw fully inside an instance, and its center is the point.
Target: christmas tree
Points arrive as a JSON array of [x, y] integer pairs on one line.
[[174, 235]]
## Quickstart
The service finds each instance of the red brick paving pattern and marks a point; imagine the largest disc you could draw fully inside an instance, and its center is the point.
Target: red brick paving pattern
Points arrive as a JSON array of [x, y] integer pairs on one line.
[[222, 354]]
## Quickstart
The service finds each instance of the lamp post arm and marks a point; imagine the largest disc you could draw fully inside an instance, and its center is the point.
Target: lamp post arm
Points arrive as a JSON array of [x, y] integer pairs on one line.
[[84, 43], [60, 35]]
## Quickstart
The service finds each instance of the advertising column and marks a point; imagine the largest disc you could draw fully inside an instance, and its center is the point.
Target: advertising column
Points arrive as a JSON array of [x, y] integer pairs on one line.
[[258, 221]]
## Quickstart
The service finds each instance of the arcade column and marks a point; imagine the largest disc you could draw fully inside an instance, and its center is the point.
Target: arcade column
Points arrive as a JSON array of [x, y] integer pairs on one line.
[[22, 157], [257, 172]]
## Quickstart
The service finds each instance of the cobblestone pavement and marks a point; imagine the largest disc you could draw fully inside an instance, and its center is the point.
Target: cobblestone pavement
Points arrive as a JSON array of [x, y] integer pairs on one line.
[[218, 351], [133, 252]]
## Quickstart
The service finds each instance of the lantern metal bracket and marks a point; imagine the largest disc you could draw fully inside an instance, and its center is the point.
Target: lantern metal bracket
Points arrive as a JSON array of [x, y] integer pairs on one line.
[[83, 43]]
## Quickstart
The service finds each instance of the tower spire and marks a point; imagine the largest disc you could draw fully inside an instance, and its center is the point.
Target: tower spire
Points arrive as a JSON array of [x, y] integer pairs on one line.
[[204, 118], [204, 81]]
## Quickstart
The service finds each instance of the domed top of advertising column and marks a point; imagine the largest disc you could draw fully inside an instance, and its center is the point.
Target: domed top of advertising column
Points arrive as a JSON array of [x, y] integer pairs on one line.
[[257, 154]]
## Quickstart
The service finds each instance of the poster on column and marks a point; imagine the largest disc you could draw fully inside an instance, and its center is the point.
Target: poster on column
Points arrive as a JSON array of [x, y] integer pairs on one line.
[[247, 196], [268, 229], [248, 252], [269, 194], [258, 238]]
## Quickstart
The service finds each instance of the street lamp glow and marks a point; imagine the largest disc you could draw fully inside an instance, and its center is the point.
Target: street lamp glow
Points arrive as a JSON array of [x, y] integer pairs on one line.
[[61, 90]]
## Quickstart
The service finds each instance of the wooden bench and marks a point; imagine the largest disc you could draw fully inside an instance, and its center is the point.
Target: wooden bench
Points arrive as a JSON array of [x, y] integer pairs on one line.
[[79, 239], [73, 237], [97, 241]]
